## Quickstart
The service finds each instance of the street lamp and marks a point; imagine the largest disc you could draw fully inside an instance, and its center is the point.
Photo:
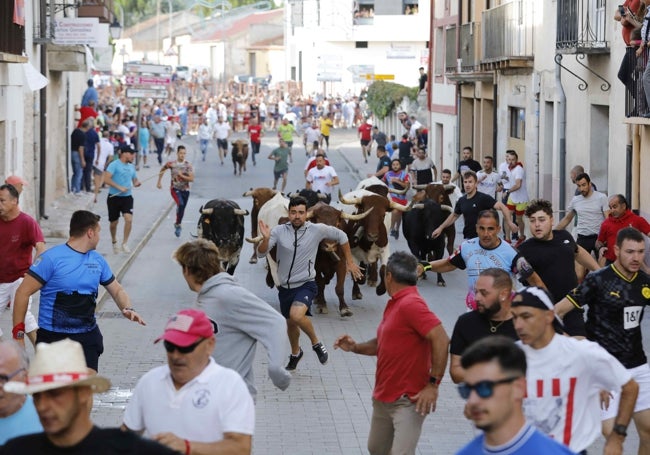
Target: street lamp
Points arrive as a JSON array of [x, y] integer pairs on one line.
[[115, 29]]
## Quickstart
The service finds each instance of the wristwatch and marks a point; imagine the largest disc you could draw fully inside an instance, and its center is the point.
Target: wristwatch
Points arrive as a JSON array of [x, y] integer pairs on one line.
[[435, 381], [620, 429]]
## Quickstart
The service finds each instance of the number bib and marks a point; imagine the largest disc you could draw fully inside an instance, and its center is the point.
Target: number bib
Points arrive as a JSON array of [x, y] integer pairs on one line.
[[631, 317]]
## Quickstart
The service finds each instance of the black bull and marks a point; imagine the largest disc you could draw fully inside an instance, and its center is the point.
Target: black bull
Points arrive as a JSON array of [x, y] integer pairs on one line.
[[222, 223], [417, 226]]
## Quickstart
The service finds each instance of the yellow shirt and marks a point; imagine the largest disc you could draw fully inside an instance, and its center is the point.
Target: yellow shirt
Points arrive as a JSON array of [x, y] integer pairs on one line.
[[325, 126]]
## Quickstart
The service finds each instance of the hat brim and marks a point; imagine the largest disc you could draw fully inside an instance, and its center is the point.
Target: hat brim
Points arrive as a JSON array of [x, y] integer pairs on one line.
[[178, 338], [98, 384]]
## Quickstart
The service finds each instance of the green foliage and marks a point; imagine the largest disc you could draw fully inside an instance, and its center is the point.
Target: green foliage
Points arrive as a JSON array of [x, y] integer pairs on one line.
[[384, 96]]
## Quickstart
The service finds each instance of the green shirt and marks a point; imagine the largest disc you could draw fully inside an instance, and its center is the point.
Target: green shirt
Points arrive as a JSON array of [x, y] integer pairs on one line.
[[281, 164], [286, 132]]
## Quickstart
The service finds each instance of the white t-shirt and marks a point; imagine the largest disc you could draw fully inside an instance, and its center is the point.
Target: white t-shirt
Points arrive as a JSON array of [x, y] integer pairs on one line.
[[215, 402], [564, 381], [122, 128], [487, 183], [106, 150], [312, 135], [319, 177], [520, 195], [505, 177], [221, 130], [590, 212]]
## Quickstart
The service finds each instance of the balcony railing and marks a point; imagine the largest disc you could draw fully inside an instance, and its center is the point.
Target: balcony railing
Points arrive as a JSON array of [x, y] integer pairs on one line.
[[469, 57], [101, 9], [508, 31], [581, 26]]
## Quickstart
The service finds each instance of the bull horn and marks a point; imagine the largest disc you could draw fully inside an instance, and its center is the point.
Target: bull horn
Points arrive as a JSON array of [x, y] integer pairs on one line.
[[240, 212], [207, 211], [294, 194], [322, 196], [310, 214], [417, 206], [248, 193], [396, 191], [357, 216], [255, 240], [450, 186], [446, 208], [345, 201], [402, 208], [422, 186]]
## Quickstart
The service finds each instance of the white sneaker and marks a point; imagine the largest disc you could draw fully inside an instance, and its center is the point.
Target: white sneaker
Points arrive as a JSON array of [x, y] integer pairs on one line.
[[125, 248], [116, 248]]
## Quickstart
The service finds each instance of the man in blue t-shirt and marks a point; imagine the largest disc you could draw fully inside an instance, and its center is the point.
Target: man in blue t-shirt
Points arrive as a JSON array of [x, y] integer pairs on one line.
[[494, 387], [68, 276], [383, 165], [121, 176]]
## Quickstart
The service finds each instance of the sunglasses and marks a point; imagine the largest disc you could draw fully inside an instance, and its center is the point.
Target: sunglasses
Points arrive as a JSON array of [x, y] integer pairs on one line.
[[484, 389], [171, 347], [4, 378]]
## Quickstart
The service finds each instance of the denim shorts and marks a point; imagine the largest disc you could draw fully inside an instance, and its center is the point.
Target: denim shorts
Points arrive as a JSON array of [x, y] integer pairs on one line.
[[303, 294]]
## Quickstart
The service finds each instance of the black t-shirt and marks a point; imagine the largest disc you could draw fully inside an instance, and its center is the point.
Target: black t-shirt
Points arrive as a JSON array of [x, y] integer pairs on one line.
[[553, 260], [423, 80], [473, 326], [468, 165], [100, 441], [77, 139], [383, 161], [470, 208], [615, 310]]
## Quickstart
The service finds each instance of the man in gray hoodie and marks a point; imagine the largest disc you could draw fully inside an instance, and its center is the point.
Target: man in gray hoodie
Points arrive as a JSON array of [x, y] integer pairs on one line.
[[297, 244], [243, 318]]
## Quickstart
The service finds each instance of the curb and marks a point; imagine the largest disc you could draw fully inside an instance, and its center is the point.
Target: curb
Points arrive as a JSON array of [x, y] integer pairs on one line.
[[353, 169]]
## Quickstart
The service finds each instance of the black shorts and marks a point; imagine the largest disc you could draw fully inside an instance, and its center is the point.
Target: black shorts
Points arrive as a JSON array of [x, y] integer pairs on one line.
[[304, 294], [222, 143], [364, 142], [92, 343], [278, 174], [588, 242], [118, 205]]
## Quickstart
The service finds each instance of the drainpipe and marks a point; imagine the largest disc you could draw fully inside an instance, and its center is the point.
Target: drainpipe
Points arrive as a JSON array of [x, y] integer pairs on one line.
[[536, 83], [561, 133], [42, 181], [495, 123]]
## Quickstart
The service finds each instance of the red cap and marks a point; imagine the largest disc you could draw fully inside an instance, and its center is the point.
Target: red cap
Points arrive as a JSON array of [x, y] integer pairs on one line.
[[186, 327], [15, 180]]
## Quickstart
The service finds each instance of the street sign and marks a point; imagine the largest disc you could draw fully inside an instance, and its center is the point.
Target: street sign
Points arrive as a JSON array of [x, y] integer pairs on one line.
[[146, 93], [380, 77], [146, 68], [147, 80]]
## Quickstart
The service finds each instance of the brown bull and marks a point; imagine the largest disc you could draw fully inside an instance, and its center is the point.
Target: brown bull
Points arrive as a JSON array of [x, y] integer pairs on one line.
[[369, 239], [328, 259], [439, 194], [260, 197], [239, 155]]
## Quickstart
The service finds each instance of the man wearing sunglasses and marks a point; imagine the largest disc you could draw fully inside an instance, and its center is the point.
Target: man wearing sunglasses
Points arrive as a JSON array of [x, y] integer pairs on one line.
[[17, 412], [192, 404], [495, 387], [565, 377], [411, 349]]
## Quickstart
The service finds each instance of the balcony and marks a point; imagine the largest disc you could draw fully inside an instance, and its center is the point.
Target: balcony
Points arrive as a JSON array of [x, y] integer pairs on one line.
[[635, 99], [581, 27], [466, 67], [101, 9], [508, 36]]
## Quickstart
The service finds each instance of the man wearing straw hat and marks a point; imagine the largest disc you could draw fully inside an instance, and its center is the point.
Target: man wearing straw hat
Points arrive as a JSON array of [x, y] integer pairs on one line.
[[62, 387], [169, 400]]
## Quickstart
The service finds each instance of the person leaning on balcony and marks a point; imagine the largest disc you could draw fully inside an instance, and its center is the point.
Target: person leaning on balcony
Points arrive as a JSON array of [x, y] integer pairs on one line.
[[645, 39], [630, 15]]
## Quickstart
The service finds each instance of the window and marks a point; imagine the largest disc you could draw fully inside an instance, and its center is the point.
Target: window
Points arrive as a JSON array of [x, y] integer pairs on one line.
[[361, 44], [364, 12], [410, 7], [518, 123], [12, 35]]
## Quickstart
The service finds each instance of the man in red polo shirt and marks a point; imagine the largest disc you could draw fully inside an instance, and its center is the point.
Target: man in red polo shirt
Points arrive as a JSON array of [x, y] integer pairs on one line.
[[620, 216], [365, 135], [412, 349]]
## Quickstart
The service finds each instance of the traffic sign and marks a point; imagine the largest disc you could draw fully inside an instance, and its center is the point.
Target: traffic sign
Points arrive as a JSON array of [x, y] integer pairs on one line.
[[146, 93], [380, 77], [147, 68], [147, 80]]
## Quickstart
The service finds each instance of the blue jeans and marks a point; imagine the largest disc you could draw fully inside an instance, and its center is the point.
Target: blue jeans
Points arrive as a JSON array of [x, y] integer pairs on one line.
[[77, 172], [180, 197], [203, 144], [87, 180]]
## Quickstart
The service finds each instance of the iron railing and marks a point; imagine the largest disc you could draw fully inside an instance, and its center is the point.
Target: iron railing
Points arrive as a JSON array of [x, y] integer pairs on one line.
[[631, 75], [508, 31], [468, 58], [581, 26]]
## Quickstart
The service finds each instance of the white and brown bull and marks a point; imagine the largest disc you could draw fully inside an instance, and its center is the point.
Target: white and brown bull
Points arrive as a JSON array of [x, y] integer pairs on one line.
[[369, 237], [239, 155], [329, 257], [260, 197], [222, 223]]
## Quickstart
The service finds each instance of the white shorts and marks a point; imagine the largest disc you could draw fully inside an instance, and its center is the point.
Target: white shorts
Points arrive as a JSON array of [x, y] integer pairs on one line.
[[7, 295], [641, 375]]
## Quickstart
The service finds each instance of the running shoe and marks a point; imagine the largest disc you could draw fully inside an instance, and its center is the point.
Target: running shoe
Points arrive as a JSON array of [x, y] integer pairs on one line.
[[177, 230], [321, 352], [125, 248], [116, 248], [293, 361]]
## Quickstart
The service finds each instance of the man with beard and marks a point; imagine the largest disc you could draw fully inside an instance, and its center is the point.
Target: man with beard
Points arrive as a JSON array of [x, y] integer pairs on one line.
[[551, 253], [493, 292]]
